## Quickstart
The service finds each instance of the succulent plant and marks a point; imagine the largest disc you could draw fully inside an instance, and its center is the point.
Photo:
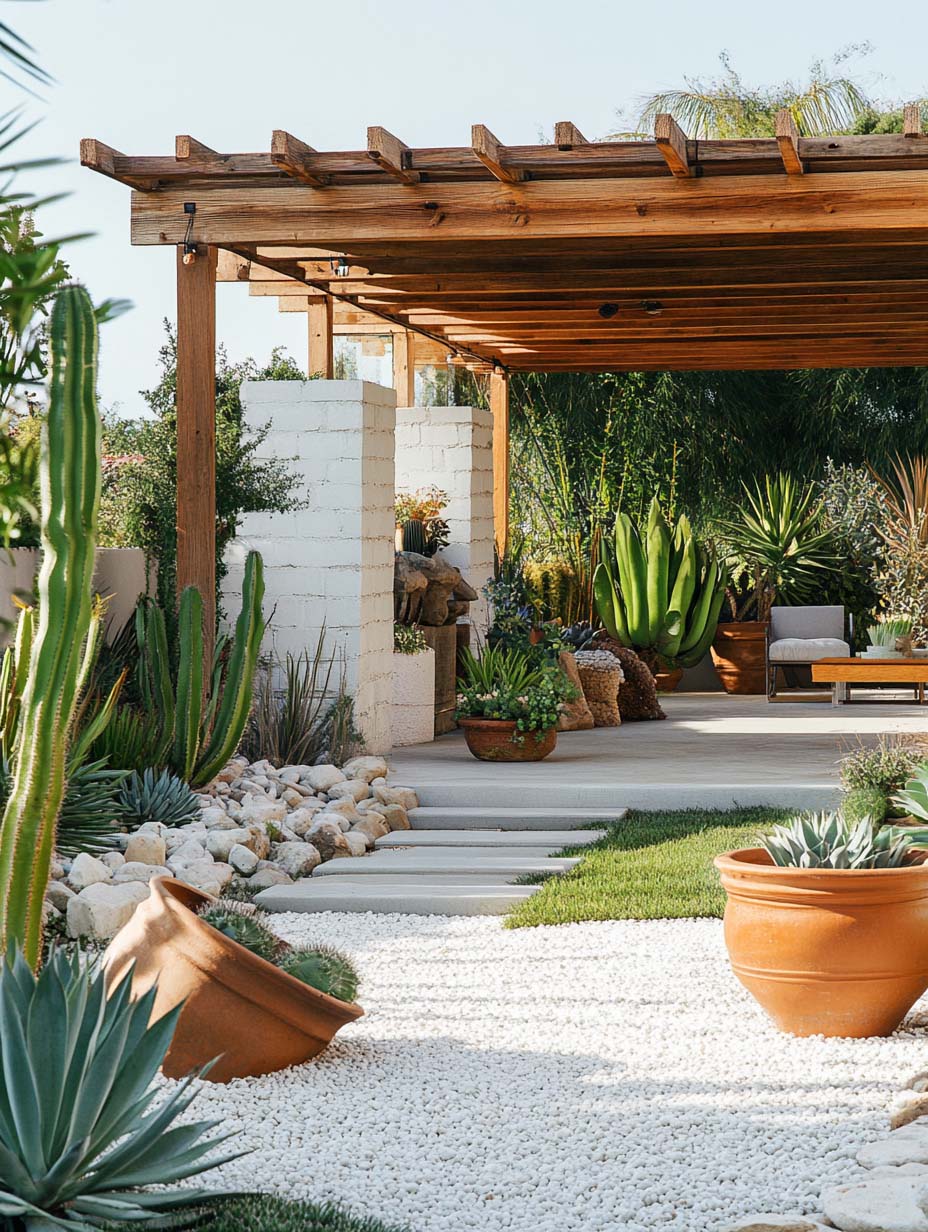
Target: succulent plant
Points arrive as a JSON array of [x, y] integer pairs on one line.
[[324, 968], [79, 1139], [863, 802], [244, 923], [829, 840], [415, 536], [70, 474], [151, 796]]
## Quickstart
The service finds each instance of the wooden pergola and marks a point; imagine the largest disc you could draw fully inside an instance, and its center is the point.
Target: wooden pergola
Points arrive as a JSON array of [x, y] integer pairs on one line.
[[671, 254]]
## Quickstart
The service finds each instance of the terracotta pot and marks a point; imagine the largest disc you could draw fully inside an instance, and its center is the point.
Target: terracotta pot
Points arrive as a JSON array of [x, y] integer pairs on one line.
[[739, 653], [825, 951], [667, 680], [498, 740], [235, 1004]]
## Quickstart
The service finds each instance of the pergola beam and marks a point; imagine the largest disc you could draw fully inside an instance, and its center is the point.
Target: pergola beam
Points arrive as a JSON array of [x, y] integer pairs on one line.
[[390, 154], [787, 135], [499, 408], [295, 157], [492, 153], [670, 139], [912, 120], [567, 135]]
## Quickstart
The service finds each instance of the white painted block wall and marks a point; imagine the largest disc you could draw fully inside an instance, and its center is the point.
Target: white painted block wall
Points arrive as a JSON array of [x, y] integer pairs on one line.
[[452, 447], [333, 561]]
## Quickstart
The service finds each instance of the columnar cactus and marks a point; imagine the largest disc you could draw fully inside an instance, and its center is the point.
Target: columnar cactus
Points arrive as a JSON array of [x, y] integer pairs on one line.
[[70, 491]]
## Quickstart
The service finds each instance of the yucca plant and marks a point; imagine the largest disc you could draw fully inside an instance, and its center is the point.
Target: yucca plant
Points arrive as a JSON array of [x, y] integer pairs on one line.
[[829, 840], [80, 1141], [888, 630], [154, 796]]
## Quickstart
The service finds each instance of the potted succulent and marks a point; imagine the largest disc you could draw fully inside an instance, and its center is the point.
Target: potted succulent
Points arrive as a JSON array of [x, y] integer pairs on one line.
[[508, 704], [246, 997], [776, 550], [890, 638], [420, 526], [827, 924], [659, 593], [412, 716]]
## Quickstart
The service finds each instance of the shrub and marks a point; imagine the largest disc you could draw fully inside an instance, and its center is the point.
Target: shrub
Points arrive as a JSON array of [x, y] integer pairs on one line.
[[265, 1213], [885, 765], [863, 802], [508, 684], [156, 797], [408, 639]]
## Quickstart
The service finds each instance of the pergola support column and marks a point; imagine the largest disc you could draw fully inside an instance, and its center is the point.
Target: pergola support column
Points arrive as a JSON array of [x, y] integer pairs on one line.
[[404, 368], [499, 406], [321, 347], [195, 401]]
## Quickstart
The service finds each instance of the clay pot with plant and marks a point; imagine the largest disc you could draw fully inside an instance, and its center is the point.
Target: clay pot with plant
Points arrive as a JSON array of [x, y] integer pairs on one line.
[[827, 925], [776, 549], [509, 703], [245, 996]]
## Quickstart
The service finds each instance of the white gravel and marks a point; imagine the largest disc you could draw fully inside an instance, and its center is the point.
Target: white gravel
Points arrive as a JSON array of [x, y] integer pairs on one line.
[[590, 1076]]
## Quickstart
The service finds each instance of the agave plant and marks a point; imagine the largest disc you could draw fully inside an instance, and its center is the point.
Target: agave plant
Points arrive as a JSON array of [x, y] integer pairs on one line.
[[151, 796], [79, 1138], [829, 840], [888, 630]]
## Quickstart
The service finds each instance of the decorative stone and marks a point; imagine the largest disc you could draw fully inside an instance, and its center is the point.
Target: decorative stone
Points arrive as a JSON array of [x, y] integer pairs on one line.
[[878, 1204], [112, 859], [243, 859], [397, 795], [59, 894], [297, 859], [326, 835], [139, 870], [213, 817], [364, 835], [366, 768], [258, 842], [774, 1223], [357, 843], [211, 877], [264, 878], [321, 778], [396, 817], [190, 852], [353, 789], [146, 849], [346, 808], [220, 842], [87, 870], [301, 819], [908, 1145], [263, 811], [100, 910], [373, 825], [907, 1107]]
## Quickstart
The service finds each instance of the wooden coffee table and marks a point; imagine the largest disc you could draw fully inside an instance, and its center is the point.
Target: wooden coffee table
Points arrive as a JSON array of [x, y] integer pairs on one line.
[[842, 674]]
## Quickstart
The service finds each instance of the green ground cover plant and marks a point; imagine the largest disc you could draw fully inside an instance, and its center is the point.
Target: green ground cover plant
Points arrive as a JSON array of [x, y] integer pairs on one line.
[[651, 866], [264, 1213]]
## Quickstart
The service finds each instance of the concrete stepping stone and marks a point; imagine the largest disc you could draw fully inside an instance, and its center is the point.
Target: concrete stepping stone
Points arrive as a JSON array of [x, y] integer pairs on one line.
[[441, 861], [408, 896], [535, 841], [437, 817]]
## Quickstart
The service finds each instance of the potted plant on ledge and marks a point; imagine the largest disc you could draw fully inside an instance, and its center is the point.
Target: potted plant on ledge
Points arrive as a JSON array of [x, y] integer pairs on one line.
[[827, 924], [509, 703]]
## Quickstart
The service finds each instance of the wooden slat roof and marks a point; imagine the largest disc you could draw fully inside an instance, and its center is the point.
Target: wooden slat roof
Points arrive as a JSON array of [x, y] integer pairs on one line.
[[665, 254]]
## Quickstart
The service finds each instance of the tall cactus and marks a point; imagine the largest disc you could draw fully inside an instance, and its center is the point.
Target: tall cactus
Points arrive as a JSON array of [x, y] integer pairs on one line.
[[201, 728], [657, 591], [70, 492]]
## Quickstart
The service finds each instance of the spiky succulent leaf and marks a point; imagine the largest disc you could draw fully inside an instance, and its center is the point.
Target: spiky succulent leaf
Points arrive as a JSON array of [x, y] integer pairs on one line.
[[324, 968], [829, 840], [153, 796], [244, 923]]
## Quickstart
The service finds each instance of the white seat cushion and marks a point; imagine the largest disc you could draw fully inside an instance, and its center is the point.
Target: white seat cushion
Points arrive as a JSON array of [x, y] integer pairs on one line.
[[807, 649]]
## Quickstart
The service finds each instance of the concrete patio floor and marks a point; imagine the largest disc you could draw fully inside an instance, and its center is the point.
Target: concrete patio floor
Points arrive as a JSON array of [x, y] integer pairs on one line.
[[712, 751]]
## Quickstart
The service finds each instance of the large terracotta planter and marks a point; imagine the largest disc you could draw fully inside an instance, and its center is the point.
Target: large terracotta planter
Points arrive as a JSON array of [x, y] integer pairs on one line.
[[499, 740], [237, 1007], [739, 653], [824, 951], [667, 679]]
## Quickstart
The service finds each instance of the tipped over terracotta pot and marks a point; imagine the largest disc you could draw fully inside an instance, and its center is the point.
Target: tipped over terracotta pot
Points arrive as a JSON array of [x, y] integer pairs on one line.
[[834, 952], [237, 1007]]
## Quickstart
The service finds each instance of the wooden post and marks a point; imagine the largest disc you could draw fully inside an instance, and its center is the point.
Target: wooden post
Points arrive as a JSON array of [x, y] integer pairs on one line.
[[196, 433], [321, 352], [404, 368], [499, 406]]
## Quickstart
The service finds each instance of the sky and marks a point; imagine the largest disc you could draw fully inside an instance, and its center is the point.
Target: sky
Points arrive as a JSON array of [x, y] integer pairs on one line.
[[228, 72]]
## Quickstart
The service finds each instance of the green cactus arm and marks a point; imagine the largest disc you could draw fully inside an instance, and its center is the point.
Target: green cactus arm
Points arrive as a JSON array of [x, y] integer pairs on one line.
[[681, 597], [189, 710], [232, 713], [699, 615], [97, 725], [70, 493], [608, 604], [91, 649], [693, 656], [659, 545], [633, 579], [160, 698]]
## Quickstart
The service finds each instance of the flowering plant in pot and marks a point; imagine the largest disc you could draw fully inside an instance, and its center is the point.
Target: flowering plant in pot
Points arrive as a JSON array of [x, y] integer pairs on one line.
[[827, 924], [509, 703]]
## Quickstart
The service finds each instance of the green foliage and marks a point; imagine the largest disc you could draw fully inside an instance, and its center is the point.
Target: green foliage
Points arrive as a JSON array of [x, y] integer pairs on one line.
[[324, 968], [777, 547], [657, 591], [872, 120], [852, 508], [312, 715], [861, 802], [885, 765], [831, 840], [153, 796], [145, 485], [200, 729], [913, 798], [79, 1138], [131, 741], [90, 815], [245, 924], [419, 517], [414, 536], [512, 685], [888, 630], [408, 639], [553, 589], [265, 1213], [70, 496]]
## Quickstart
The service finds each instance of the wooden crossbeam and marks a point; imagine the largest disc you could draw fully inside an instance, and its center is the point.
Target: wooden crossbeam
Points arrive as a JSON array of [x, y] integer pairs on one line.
[[103, 158], [390, 155], [295, 157], [230, 267], [788, 141], [912, 120], [567, 135], [492, 153], [187, 147], [671, 141]]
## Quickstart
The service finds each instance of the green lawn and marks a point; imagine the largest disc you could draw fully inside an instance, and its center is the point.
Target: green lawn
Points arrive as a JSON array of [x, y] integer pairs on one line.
[[652, 866], [263, 1213]]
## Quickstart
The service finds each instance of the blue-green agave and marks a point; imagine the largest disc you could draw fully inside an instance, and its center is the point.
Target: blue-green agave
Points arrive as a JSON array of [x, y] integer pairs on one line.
[[828, 840]]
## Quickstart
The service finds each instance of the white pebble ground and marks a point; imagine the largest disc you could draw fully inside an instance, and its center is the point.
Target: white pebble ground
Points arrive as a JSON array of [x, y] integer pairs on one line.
[[591, 1076]]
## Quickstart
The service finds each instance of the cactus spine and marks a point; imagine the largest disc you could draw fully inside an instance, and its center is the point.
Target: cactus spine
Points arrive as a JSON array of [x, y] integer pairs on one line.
[[415, 537], [657, 591], [70, 490]]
